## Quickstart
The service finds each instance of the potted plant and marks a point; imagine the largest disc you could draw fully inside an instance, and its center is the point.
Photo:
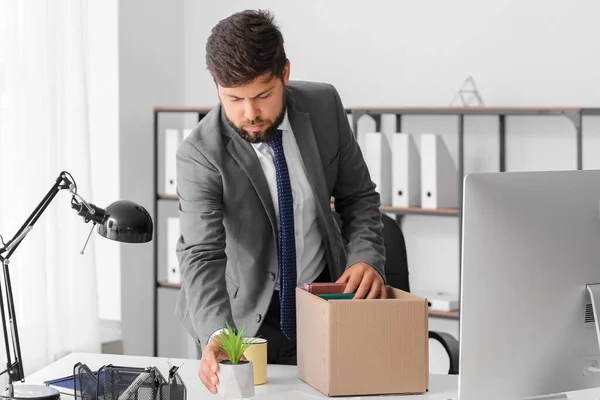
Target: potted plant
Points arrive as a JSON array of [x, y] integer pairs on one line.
[[236, 376]]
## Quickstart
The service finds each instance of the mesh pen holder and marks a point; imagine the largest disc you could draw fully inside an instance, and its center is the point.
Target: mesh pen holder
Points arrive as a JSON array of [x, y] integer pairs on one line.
[[127, 383]]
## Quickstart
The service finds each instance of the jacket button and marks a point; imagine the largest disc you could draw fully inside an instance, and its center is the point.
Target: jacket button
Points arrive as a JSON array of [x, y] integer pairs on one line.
[[271, 276], [258, 317]]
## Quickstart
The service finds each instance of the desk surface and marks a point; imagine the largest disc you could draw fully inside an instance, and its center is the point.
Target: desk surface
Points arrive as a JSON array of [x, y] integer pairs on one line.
[[281, 380]]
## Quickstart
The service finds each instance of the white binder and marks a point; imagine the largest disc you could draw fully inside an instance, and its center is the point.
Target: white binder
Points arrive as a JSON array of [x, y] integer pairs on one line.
[[439, 177], [173, 233], [172, 141], [406, 171], [378, 157]]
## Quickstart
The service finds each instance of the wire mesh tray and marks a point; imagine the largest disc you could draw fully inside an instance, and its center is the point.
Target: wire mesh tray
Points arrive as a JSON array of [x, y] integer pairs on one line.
[[127, 383]]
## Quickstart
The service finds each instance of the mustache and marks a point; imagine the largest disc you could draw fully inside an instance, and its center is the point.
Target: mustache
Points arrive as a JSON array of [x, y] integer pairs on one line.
[[255, 121]]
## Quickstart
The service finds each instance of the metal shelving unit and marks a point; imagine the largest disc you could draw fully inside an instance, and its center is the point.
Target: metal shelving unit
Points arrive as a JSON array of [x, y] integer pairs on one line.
[[161, 198], [575, 115]]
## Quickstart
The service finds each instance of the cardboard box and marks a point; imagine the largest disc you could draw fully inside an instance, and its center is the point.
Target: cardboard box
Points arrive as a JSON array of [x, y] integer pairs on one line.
[[363, 347]]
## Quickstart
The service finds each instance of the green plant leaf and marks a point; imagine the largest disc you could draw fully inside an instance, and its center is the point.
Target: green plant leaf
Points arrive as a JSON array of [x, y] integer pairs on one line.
[[233, 343]]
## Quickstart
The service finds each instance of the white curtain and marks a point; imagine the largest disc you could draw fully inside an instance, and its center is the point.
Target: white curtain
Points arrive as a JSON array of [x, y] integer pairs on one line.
[[44, 130]]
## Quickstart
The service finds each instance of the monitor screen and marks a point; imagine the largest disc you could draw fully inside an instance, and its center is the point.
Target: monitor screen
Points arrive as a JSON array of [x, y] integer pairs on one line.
[[531, 244]]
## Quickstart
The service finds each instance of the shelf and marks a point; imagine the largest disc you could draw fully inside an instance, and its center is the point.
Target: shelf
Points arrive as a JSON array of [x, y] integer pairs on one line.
[[445, 314], [183, 109], [170, 285], [436, 314], [444, 212], [420, 211], [474, 110], [388, 209], [429, 110]]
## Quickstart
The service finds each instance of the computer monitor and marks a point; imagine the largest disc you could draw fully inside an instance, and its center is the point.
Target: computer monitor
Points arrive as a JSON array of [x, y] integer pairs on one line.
[[531, 244]]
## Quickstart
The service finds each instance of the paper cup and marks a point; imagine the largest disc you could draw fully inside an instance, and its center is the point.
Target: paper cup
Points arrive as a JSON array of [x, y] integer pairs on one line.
[[257, 353]]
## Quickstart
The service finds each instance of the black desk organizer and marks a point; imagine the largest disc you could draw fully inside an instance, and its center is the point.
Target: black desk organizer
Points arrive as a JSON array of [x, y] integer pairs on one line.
[[127, 383]]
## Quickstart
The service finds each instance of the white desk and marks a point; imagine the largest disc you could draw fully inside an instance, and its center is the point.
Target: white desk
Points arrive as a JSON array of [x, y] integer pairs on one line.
[[281, 380]]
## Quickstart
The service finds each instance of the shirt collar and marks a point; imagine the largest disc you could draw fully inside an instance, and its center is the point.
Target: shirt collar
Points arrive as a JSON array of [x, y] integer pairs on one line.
[[285, 124]]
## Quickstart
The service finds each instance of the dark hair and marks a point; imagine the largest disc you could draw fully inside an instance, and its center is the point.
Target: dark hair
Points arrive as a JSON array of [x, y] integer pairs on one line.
[[243, 47]]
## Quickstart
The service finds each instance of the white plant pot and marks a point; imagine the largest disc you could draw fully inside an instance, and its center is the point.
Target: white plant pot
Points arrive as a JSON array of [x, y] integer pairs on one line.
[[236, 381]]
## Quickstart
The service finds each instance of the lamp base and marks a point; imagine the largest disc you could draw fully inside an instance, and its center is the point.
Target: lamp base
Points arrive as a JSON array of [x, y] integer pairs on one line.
[[40, 392]]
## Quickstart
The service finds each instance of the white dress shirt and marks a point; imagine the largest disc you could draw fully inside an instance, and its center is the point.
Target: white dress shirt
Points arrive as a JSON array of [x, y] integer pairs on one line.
[[310, 250]]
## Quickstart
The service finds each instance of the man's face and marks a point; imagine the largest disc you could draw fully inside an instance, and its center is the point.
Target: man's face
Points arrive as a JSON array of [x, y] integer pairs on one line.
[[255, 110]]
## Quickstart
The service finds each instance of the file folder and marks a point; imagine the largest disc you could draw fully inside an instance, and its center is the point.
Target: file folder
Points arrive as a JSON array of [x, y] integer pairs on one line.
[[406, 171], [172, 141], [378, 158], [173, 233], [439, 177]]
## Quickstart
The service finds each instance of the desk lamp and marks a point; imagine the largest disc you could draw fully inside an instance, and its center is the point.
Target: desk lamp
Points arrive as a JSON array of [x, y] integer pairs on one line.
[[122, 221]]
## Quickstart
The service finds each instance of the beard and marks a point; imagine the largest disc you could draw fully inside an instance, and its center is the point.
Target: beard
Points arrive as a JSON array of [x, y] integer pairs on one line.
[[259, 137]]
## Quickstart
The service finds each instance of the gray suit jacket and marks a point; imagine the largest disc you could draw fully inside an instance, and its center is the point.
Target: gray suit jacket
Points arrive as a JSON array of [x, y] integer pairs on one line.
[[228, 246]]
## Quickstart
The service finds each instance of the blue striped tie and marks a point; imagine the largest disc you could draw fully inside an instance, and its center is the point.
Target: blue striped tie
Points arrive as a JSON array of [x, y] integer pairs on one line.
[[287, 240]]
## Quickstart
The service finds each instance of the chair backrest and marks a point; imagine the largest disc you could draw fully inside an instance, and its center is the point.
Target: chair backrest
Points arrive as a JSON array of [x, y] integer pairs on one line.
[[396, 264]]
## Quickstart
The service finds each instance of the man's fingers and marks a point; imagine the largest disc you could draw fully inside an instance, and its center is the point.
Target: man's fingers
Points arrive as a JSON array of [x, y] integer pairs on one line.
[[365, 286], [207, 382], [383, 292], [375, 289], [353, 283], [209, 366], [207, 377], [343, 278]]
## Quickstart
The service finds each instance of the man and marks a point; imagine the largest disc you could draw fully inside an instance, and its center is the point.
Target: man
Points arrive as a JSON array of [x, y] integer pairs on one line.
[[255, 179]]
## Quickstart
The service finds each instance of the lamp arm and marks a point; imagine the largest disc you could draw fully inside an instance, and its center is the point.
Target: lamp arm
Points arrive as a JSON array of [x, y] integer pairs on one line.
[[15, 369], [62, 182]]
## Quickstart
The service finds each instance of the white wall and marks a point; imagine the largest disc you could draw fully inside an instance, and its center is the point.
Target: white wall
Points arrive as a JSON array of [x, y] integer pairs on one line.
[[394, 53], [418, 53], [104, 129]]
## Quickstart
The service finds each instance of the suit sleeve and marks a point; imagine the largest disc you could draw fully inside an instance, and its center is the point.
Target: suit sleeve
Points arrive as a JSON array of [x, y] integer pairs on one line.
[[356, 200], [201, 248]]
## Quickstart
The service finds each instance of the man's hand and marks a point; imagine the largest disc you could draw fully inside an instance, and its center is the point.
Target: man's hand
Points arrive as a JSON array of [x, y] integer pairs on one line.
[[209, 364], [363, 279]]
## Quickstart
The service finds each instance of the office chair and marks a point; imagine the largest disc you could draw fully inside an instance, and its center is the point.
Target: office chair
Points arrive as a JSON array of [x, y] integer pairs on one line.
[[396, 274]]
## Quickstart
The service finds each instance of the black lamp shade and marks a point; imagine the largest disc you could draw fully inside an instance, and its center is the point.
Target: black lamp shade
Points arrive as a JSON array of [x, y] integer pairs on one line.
[[127, 222]]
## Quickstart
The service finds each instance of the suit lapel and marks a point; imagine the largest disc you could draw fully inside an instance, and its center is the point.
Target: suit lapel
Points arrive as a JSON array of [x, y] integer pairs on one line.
[[305, 137], [243, 153]]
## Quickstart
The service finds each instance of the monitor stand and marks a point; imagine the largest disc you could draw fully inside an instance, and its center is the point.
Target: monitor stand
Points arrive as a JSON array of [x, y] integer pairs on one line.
[[594, 291]]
